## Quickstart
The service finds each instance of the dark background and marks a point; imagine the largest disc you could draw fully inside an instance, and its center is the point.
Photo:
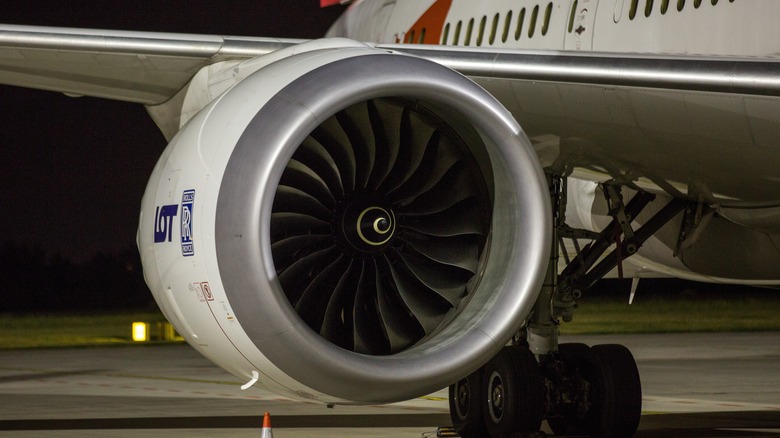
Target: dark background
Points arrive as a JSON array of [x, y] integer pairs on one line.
[[73, 170]]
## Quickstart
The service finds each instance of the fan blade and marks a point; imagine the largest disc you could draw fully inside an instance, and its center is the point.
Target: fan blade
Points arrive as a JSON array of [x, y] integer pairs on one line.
[[304, 178], [368, 335], [385, 119], [288, 251], [438, 159], [447, 281], [400, 326], [427, 307], [454, 221], [337, 321], [296, 278], [333, 138], [284, 225], [460, 251], [319, 292], [413, 131], [356, 123], [453, 188], [291, 200], [314, 156]]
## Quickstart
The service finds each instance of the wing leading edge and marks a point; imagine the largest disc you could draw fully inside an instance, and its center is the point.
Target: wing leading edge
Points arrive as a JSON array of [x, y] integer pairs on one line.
[[142, 67], [149, 68]]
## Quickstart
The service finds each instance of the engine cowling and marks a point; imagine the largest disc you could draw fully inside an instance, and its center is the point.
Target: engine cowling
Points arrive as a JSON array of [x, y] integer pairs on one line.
[[354, 225]]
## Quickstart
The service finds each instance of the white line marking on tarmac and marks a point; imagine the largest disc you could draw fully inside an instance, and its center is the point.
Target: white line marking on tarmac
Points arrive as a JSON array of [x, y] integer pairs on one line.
[[682, 405]]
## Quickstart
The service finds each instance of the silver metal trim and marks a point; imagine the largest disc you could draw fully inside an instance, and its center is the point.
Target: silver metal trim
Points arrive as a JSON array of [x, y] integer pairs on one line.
[[696, 73]]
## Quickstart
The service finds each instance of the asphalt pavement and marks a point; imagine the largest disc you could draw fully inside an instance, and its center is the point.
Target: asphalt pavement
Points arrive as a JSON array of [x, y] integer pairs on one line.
[[694, 385]]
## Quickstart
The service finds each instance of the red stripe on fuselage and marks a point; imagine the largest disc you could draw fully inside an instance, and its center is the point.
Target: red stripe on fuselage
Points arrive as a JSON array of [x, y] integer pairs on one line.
[[428, 28]]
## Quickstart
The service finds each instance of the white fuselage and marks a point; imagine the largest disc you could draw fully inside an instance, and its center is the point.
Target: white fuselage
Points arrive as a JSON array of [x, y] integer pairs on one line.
[[696, 27], [717, 149]]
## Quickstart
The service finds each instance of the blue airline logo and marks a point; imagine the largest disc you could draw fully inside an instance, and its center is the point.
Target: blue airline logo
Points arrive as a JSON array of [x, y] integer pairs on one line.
[[163, 223]]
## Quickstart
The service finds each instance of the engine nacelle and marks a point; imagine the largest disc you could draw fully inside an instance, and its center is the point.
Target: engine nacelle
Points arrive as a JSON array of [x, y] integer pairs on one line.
[[356, 226]]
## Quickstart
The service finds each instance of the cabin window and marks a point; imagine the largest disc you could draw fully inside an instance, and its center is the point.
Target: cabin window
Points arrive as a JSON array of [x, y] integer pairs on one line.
[[410, 37], [481, 30], [547, 16], [572, 14], [507, 24], [696, 3], [664, 6], [469, 29], [422, 35], [493, 30], [456, 38], [520, 20], [648, 8], [446, 34], [714, 2], [632, 9], [532, 22], [680, 5]]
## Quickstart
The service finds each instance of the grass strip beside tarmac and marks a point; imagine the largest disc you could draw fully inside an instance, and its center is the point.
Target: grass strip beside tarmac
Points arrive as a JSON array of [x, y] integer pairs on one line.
[[676, 315], [43, 331], [759, 312]]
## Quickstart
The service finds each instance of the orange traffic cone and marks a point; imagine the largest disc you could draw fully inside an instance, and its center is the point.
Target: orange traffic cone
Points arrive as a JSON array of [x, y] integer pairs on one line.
[[267, 432]]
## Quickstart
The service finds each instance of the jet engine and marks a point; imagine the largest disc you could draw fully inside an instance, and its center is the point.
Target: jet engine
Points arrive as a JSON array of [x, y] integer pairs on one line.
[[348, 225]]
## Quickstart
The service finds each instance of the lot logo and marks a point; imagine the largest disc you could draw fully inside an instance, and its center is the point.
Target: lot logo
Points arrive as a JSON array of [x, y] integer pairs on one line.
[[187, 246], [163, 223]]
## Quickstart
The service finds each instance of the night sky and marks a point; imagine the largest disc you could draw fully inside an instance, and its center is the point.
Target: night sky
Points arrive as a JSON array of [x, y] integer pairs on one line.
[[74, 169]]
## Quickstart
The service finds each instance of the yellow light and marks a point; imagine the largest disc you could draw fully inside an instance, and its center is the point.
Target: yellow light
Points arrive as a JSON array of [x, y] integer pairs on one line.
[[140, 331]]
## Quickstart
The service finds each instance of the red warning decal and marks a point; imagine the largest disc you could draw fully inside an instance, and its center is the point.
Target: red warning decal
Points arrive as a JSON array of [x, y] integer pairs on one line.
[[207, 291]]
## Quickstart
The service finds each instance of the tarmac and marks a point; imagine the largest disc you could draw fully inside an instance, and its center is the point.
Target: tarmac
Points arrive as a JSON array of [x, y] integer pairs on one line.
[[694, 385]]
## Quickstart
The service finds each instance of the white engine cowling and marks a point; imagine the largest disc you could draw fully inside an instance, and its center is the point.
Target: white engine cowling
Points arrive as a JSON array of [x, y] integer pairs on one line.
[[356, 226]]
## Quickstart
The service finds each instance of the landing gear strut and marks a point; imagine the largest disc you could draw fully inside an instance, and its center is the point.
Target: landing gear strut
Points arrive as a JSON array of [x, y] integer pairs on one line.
[[577, 389]]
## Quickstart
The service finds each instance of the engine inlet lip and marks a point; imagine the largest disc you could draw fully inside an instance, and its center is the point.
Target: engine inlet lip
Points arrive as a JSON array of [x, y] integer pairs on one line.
[[248, 188]]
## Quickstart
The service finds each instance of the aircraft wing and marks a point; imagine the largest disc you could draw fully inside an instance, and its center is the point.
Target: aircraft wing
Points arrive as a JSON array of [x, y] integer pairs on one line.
[[690, 73], [142, 67], [149, 68]]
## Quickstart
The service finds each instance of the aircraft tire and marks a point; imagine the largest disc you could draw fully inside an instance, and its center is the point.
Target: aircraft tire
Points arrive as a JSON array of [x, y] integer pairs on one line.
[[513, 393], [618, 397], [580, 363], [466, 406]]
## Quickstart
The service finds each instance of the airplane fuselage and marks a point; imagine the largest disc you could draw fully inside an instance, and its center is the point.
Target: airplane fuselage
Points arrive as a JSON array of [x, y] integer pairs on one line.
[[693, 27], [715, 148]]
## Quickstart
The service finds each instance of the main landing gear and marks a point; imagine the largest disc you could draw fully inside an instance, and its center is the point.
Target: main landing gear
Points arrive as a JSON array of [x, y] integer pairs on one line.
[[579, 390]]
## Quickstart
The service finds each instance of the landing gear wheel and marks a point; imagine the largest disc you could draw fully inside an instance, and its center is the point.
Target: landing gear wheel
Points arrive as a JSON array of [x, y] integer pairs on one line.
[[466, 406], [619, 398], [582, 370], [513, 391]]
